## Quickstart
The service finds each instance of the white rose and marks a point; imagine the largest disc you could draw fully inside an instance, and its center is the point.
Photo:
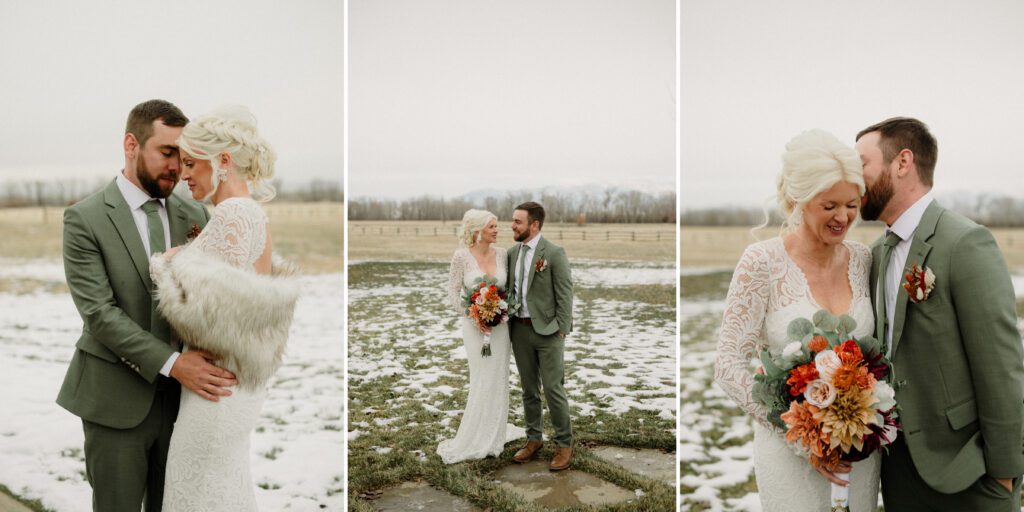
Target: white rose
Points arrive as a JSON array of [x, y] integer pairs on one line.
[[502, 304], [929, 279], [827, 362], [480, 299], [792, 350], [885, 396], [820, 394]]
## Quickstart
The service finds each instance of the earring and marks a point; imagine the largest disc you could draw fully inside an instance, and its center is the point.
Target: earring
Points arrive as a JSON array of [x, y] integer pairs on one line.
[[221, 175]]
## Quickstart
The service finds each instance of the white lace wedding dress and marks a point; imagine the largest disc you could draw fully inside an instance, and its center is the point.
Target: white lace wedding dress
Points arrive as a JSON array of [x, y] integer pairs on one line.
[[483, 429], [769, 290], [208, 459]]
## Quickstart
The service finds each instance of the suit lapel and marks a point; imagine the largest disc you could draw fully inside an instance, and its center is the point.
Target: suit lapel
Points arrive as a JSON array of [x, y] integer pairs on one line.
[[121, 217], [537, 255], [876, 292], [919, 250]]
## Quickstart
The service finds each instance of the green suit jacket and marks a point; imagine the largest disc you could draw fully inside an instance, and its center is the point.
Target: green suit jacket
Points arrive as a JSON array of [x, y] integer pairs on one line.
[[113, 373], [549, 292], [957, 358]]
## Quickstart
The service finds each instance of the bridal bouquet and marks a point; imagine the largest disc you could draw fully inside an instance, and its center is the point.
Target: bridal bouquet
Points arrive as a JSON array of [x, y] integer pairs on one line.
[[827, 391], [487, 305]]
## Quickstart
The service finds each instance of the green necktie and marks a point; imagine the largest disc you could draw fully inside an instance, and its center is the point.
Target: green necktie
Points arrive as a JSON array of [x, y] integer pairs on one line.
[[891, 239], [156, 226], [158, 325], [523, 250]]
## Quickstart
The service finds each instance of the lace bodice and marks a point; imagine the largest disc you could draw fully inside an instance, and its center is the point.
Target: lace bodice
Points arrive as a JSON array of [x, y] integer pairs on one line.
[[464, 270], [769, 290], [237, 232]]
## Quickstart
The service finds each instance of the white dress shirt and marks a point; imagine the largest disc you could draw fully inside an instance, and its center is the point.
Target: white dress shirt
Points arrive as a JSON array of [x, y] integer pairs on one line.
[[136, 197], [904, 227], [529, 247]]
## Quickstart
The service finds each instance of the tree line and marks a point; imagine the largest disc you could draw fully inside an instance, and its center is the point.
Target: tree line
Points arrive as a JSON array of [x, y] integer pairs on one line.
[[609, 206], [985, 209], [20, 193]]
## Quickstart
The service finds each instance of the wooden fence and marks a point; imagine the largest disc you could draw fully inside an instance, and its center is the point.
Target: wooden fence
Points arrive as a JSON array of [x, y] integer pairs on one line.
[[554, 234]]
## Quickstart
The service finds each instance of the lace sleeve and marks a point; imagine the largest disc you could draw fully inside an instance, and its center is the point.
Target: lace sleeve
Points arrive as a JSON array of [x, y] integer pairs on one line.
[[237, 232], [455, 278], [742, 330]]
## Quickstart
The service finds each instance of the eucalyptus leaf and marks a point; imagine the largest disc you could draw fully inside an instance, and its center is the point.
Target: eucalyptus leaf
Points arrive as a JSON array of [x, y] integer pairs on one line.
[[799, 328], [825, 321], [847, 324]]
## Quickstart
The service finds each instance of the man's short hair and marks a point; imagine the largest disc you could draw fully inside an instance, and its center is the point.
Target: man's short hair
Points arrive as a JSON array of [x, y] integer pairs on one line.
[[140, 119], [899, 133], [534, 212]]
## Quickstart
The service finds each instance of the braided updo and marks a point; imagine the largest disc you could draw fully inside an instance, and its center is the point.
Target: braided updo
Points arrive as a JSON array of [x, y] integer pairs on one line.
[[232, 129], [814, 161], [473, 222]]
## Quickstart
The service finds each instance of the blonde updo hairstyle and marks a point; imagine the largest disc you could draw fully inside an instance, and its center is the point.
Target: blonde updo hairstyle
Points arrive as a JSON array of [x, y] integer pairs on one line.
[[473, 222], [814, 161], [232, 129]]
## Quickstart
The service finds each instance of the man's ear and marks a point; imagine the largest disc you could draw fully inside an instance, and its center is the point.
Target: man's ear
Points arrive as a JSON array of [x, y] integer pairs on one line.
[[906, 162], [131, 146]]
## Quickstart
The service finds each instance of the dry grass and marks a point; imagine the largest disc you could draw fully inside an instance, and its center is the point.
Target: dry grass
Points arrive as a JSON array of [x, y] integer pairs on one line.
[[722, 246], [366, 242], [309, 234]]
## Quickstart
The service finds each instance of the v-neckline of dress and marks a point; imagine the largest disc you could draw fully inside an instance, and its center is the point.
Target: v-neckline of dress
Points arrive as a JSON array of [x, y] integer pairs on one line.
[[807, 286], [477, 264]]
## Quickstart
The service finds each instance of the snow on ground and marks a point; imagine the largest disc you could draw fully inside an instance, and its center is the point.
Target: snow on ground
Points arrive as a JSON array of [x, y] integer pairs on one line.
[[628, 361], [297, 447]]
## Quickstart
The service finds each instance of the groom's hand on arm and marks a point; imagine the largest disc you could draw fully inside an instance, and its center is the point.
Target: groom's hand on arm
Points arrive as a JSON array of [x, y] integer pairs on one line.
[[194, 371]]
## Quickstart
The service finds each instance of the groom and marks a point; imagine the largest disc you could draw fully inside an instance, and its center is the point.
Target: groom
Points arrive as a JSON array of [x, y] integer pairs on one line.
[[957, 358], [542, 286], [124, 376]]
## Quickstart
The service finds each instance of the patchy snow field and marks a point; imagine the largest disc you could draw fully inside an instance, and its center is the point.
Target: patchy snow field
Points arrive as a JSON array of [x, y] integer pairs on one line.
[[297, 448], [715, 444], [621, 351]]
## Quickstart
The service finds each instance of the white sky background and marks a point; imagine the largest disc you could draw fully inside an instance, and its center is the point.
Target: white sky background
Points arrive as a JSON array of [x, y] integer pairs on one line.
[[452, 96], [756, 74], [71, 71]]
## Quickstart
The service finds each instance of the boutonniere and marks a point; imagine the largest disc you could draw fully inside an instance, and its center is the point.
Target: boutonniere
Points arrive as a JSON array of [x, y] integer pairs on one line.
[[541, 265], [194, 231], [919, 283]]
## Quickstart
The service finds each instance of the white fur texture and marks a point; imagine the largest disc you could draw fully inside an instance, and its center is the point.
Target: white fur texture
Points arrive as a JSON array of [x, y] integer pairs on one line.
[[241, 316]]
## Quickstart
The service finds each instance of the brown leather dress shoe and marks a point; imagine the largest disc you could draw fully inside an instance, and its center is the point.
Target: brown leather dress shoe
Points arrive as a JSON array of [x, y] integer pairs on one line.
[[561, 460], [527, 452]]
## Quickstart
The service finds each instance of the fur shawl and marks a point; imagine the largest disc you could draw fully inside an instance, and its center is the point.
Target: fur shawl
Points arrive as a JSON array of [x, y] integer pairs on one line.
[[241, 316]]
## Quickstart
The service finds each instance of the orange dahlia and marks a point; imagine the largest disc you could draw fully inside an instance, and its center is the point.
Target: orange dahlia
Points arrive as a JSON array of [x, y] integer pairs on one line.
[[800, 376], [847, 420]]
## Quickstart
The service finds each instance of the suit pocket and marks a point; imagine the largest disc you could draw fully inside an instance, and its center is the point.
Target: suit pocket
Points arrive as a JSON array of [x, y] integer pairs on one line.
[[89, 345], [963, 414]]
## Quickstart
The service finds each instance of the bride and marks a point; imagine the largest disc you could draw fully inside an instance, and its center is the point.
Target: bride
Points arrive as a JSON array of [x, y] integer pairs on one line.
[[810, 266], [222, 294], [483, 429]]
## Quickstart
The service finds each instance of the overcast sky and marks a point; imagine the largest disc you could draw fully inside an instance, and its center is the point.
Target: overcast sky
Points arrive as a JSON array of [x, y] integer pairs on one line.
[[452, 96], [755, 74], [70, 72]]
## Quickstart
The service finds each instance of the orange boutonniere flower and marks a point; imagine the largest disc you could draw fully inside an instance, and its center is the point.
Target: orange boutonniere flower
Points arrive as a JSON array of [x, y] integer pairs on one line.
[[194, 231], [542, 265], [919, 283]]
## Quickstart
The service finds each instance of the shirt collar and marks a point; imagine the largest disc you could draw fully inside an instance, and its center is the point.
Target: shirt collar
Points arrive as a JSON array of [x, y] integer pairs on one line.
[[532, 244], [905, 226], [133, 195]]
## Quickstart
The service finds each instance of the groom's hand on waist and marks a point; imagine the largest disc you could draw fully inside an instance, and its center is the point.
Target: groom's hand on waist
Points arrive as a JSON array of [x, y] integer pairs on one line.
[[194, 371]]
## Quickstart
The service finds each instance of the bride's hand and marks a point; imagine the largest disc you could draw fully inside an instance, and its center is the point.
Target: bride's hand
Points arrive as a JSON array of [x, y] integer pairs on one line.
[[171, 252], [844, 467]]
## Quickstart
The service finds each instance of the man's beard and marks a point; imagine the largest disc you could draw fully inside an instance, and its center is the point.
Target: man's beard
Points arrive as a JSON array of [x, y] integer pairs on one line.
[[151, 184], [520, 237], [878, 197]]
